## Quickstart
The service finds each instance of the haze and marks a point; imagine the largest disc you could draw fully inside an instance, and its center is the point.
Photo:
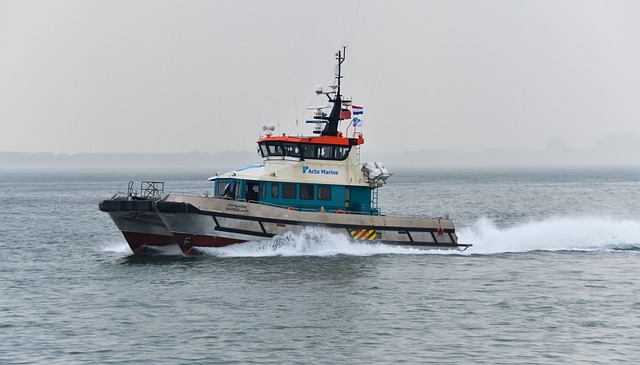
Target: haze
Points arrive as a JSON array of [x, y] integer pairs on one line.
[[180, 76]]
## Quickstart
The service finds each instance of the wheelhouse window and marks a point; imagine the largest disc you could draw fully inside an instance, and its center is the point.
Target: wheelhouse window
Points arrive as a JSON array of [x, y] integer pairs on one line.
[[291, 149], [271, 149], [275, 190], [306, 191], [324, 192], [309, 151], [303, 150], [325, 152], [341, 152], [289, 191]]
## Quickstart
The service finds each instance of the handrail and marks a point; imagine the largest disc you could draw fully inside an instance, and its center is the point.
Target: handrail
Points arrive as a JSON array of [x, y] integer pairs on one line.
[[151, 189], [131, 193]]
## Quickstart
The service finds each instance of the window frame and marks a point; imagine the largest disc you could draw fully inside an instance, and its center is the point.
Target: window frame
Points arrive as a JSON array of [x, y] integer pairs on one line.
[[286, 191], [307, 191], [326, 189]]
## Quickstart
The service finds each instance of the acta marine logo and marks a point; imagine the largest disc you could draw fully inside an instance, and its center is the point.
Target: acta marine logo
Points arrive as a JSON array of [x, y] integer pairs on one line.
[[308, 170]]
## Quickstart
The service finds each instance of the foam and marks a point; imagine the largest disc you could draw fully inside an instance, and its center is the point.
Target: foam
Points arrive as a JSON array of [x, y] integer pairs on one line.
[[553, 234], [311, 242], [118, 248]]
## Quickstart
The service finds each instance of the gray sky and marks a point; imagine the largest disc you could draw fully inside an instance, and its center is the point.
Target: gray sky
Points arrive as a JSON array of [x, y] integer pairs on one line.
[[179, 76]]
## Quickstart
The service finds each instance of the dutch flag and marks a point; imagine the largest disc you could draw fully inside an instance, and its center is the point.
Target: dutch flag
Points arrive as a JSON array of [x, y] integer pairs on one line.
[[357, 110]]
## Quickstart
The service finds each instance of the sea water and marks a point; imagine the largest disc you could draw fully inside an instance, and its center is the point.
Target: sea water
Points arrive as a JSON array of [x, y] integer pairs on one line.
[[553, 277]]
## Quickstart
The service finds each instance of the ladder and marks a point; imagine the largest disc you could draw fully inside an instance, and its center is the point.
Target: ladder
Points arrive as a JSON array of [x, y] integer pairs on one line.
[[374, 199]]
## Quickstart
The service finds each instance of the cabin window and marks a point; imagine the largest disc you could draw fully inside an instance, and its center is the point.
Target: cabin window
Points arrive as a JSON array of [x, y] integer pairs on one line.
[[306, 191], [347, 194], [275, 190], [253, 192], [230, 190], [219, 188], [324, 192], [263, 190], [289, 191]]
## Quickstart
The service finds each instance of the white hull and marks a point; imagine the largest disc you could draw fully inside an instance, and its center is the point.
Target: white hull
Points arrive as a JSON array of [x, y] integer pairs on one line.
[[212, 222]]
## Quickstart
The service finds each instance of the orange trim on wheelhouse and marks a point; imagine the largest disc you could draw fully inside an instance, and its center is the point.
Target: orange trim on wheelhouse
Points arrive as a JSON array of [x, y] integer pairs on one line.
[[332, 140]]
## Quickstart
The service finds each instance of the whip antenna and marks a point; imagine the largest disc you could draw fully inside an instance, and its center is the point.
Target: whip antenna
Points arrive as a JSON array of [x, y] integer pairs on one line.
[[355, 16]]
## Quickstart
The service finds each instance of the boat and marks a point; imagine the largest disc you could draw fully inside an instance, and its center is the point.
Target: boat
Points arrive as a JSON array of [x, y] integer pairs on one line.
[[302, 181]]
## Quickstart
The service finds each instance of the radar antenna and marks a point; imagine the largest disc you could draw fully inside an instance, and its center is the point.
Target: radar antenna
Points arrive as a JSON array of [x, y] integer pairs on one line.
[[331, 128]]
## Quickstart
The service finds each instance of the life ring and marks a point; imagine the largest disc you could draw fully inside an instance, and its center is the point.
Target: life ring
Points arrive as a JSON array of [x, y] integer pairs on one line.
[[292, 208], [339, 211]]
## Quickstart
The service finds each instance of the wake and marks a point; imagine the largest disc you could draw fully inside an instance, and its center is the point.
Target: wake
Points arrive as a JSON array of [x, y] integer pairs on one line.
[[554, 234]]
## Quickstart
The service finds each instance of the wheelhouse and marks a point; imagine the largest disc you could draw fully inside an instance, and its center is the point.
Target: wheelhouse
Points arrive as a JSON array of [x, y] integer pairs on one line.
[[311, 148]]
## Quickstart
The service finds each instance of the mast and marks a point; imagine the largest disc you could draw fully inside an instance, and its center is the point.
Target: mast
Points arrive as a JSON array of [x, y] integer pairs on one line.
[[331, 129]]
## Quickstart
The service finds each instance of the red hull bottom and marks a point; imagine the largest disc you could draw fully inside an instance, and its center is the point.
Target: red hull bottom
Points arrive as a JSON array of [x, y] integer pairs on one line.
[[190, 243], [143, 243]]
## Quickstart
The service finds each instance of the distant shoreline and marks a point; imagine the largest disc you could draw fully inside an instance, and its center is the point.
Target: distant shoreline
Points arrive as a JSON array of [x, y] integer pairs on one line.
[[190, 160], [493, 158]]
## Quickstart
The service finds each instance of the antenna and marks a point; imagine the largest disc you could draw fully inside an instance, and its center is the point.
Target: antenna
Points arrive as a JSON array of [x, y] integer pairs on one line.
[[375, 82], [331, 128], [295, 110], [278, 114], [355, 16]]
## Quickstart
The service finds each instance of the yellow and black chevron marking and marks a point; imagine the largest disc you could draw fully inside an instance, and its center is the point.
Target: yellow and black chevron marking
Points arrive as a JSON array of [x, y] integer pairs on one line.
[[363, 234]]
